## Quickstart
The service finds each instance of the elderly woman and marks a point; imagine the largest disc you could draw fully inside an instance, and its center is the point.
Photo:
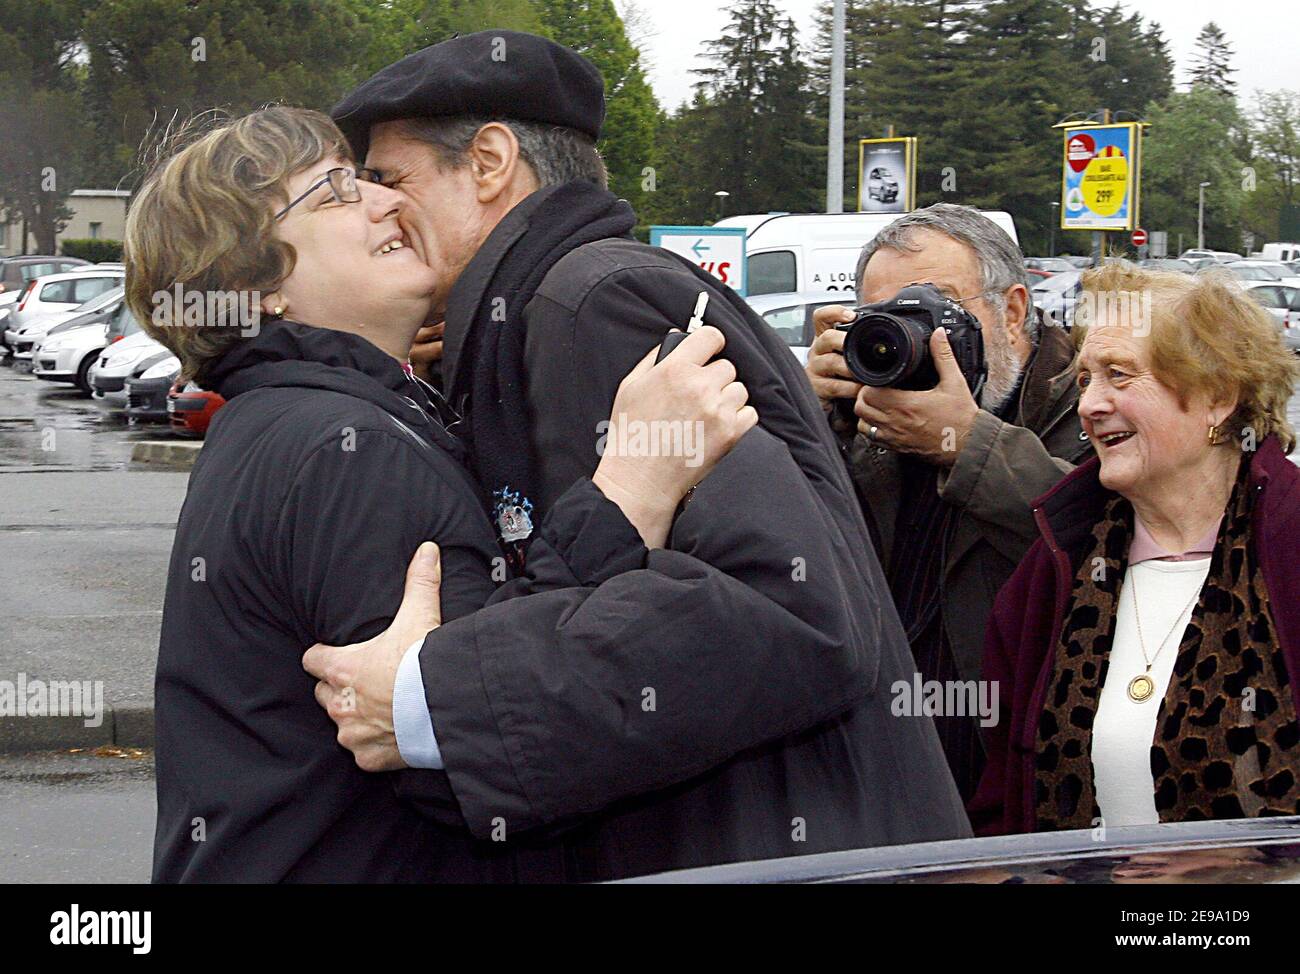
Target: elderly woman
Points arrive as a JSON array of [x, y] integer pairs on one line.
[[1147, 648], [281, 278]]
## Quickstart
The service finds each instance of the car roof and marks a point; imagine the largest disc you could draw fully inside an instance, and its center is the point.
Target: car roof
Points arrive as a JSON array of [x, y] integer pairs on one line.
[[39, 259], [788, 299], [80, 275], [1035, 852]]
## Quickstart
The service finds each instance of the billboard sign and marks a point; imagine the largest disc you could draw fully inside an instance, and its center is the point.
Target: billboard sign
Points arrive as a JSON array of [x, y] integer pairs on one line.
[[1101, 176], [887, 175]]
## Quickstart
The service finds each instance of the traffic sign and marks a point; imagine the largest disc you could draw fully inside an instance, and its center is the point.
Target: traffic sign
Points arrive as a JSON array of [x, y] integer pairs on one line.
[[1139, 237], [719, 251]]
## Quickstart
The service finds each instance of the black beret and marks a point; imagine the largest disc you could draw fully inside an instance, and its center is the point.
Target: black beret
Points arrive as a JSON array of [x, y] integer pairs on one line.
[[498, 73]]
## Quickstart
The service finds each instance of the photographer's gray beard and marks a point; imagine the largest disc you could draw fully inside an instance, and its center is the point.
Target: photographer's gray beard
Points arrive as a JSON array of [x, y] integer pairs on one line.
[[1004, 367]]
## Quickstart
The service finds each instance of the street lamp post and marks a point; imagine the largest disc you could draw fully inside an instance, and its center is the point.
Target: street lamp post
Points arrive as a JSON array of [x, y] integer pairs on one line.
[[1051, 246], [1200, 219], [835, 128], [722, 195]]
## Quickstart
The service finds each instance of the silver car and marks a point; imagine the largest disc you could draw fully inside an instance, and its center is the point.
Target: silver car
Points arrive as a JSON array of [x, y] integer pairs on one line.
[[51, 300], [791, 315]]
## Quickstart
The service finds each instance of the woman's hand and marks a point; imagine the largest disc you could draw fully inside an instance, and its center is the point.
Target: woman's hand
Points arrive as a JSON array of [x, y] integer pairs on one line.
[[671, 424]]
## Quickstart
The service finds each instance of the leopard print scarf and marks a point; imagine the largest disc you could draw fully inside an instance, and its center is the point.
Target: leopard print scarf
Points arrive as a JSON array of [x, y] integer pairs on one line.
[[1226, 733]]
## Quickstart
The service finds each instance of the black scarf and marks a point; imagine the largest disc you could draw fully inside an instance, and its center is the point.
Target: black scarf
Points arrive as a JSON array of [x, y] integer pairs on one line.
[[572, 215]]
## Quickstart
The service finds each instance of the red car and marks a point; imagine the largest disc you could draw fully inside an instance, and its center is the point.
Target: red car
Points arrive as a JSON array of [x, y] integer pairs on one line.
[[190, 409]]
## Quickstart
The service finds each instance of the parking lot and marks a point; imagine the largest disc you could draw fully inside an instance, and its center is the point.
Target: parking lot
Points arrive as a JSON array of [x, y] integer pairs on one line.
[[86, 536]]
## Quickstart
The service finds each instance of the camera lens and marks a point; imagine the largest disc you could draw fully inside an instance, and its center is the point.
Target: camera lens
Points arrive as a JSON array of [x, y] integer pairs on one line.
[[885, 350]]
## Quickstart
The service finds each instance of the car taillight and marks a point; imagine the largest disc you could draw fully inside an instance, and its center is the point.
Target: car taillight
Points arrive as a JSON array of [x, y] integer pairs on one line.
[[116, 338], [26, 294]]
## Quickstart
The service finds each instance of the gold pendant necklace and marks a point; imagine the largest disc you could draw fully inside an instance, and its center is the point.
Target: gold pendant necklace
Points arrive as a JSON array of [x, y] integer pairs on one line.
[[1142, 687]]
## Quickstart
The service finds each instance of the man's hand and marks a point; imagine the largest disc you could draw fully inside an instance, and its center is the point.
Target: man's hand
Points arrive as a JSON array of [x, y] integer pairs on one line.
[[692, 391], [932, 424], [427, 349], [830, 376], [356, 682]]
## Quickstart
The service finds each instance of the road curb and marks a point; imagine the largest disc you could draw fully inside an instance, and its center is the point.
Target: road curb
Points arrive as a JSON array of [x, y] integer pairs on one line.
[[121, 726], [178, 455]]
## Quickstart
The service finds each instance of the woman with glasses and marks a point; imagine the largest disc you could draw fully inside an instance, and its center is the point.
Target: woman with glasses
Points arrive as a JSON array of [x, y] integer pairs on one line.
[[329, 466]]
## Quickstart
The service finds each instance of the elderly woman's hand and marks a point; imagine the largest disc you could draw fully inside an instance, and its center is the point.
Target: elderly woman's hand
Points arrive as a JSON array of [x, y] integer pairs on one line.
[[671, 423]]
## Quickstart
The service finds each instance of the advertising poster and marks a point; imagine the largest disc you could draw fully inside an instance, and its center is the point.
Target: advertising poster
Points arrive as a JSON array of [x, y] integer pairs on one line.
[[1100, 177], [887, 175]]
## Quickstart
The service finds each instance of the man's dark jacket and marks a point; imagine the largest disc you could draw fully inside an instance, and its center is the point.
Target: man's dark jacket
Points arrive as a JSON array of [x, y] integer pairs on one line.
[[726, 699], [1001, 468]]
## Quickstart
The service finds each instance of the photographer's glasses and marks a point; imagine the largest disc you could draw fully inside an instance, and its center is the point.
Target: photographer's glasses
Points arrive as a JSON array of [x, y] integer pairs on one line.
[[342, 183]]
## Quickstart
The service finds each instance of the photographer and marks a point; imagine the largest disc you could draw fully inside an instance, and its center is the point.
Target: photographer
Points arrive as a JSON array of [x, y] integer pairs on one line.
[[946, 480]]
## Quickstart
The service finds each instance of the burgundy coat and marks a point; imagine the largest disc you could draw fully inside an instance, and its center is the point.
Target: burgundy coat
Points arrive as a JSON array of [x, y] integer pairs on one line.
[[1019, 645]]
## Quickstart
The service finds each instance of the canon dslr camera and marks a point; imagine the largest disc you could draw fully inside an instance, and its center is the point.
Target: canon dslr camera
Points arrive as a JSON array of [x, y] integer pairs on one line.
[[888, 343]]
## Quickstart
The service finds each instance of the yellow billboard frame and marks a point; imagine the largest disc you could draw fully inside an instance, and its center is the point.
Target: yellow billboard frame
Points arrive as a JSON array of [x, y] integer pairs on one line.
[[909, 159], [1133, 185]]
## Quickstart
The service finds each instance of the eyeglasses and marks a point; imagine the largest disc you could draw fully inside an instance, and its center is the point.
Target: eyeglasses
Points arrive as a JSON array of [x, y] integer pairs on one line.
[[342, 183], [971, 297]]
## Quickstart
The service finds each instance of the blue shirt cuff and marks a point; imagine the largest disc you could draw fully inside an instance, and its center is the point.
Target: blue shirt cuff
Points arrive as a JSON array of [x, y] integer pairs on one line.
[[411, 721]]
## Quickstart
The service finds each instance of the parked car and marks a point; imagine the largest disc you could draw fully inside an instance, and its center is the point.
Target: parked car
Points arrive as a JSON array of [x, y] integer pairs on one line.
[[50, 300], [1285, 252], [1080, 263], [1280, 270], [1277, 298], [1291, 324], [1244, 850], [791, 315], [146, 394], [191, 409], [70, 355], [1049, 265], [1057, 296], [1244, 272], [1221, 256], [1175, 264], [17, 272], [122, 359]]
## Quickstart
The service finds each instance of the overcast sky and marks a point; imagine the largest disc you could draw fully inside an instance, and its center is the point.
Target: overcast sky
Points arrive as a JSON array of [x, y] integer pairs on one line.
[[1264, 34]]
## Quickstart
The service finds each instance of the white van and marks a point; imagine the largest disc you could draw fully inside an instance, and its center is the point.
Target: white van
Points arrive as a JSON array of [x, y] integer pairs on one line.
[[1281, 251], [815, 251]]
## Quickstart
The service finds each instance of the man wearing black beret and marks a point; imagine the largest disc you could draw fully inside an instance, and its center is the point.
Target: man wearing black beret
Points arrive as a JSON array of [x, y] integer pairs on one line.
[[689, 721]]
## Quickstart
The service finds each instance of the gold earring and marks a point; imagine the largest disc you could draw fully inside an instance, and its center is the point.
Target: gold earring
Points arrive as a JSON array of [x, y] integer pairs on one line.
[[1214, 436], [279, 311]]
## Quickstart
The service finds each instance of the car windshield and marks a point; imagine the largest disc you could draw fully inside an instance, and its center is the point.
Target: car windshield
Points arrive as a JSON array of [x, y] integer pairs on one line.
[[1244, 273], [1057, 283], [100, 301]]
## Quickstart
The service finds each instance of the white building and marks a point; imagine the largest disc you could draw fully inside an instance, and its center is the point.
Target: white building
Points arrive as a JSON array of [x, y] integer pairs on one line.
[[97, 214]]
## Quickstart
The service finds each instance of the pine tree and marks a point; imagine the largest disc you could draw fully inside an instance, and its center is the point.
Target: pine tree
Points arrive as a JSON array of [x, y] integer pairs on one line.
[[1212, 62], [593, 28], [761, 140]]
